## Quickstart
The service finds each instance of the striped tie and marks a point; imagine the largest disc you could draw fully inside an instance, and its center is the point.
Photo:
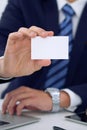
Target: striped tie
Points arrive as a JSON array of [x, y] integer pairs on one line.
[[56, 75]]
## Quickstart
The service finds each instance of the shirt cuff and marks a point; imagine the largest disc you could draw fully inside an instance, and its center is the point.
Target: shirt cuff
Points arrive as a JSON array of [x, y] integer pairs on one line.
[[1, 57], [75, 100], [2, 78]]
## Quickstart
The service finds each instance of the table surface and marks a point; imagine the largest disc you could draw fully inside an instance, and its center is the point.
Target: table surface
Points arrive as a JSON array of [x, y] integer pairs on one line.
[[48, 120]]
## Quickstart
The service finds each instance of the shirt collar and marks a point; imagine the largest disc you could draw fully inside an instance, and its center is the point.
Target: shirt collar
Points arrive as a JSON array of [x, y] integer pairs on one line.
[[78, 3]]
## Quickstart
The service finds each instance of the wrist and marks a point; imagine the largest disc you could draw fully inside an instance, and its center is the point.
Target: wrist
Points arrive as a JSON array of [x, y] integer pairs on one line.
[[55, 96], [64, 99], [1, 67], [3, 73]]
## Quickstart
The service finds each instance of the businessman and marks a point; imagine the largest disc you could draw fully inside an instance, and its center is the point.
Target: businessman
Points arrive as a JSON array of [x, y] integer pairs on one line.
[[65, 80]]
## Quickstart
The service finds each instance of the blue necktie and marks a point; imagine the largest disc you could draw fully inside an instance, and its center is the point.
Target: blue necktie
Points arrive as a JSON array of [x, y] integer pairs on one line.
[[57, 73]]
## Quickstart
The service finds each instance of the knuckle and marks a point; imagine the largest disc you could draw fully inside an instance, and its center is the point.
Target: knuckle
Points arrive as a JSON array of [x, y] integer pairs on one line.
[[14, 99], [10, 35], [24, 88], [32, 27], [8, 95], [10, 107], [21, 29]]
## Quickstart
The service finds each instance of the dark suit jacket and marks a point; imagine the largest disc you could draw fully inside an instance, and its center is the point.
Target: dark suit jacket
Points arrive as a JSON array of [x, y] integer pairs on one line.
[[44, 13]]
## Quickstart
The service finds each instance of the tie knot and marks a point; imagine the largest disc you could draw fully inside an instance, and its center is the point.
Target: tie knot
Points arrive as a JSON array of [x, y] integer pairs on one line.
[[68, 10]]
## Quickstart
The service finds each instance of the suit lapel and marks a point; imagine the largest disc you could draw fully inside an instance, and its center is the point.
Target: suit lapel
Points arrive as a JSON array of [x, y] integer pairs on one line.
[[78, 48], [51, 15]]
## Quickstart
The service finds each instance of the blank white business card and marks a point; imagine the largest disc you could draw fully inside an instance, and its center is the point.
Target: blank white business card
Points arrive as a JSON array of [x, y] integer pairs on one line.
[[55, 47]]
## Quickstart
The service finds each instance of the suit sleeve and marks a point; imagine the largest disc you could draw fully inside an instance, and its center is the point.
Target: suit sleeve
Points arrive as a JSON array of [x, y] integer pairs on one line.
[[11, 20], [81, 90]]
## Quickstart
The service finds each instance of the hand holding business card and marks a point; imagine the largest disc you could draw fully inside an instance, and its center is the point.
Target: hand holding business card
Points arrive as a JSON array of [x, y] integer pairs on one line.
[[55, 47]]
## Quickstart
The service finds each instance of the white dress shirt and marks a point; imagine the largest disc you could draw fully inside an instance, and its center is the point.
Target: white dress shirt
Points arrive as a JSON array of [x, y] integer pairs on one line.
[[78, 7]]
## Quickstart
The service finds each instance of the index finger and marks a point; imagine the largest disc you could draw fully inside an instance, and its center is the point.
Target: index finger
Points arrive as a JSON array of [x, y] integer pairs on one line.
[[41, 32]]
